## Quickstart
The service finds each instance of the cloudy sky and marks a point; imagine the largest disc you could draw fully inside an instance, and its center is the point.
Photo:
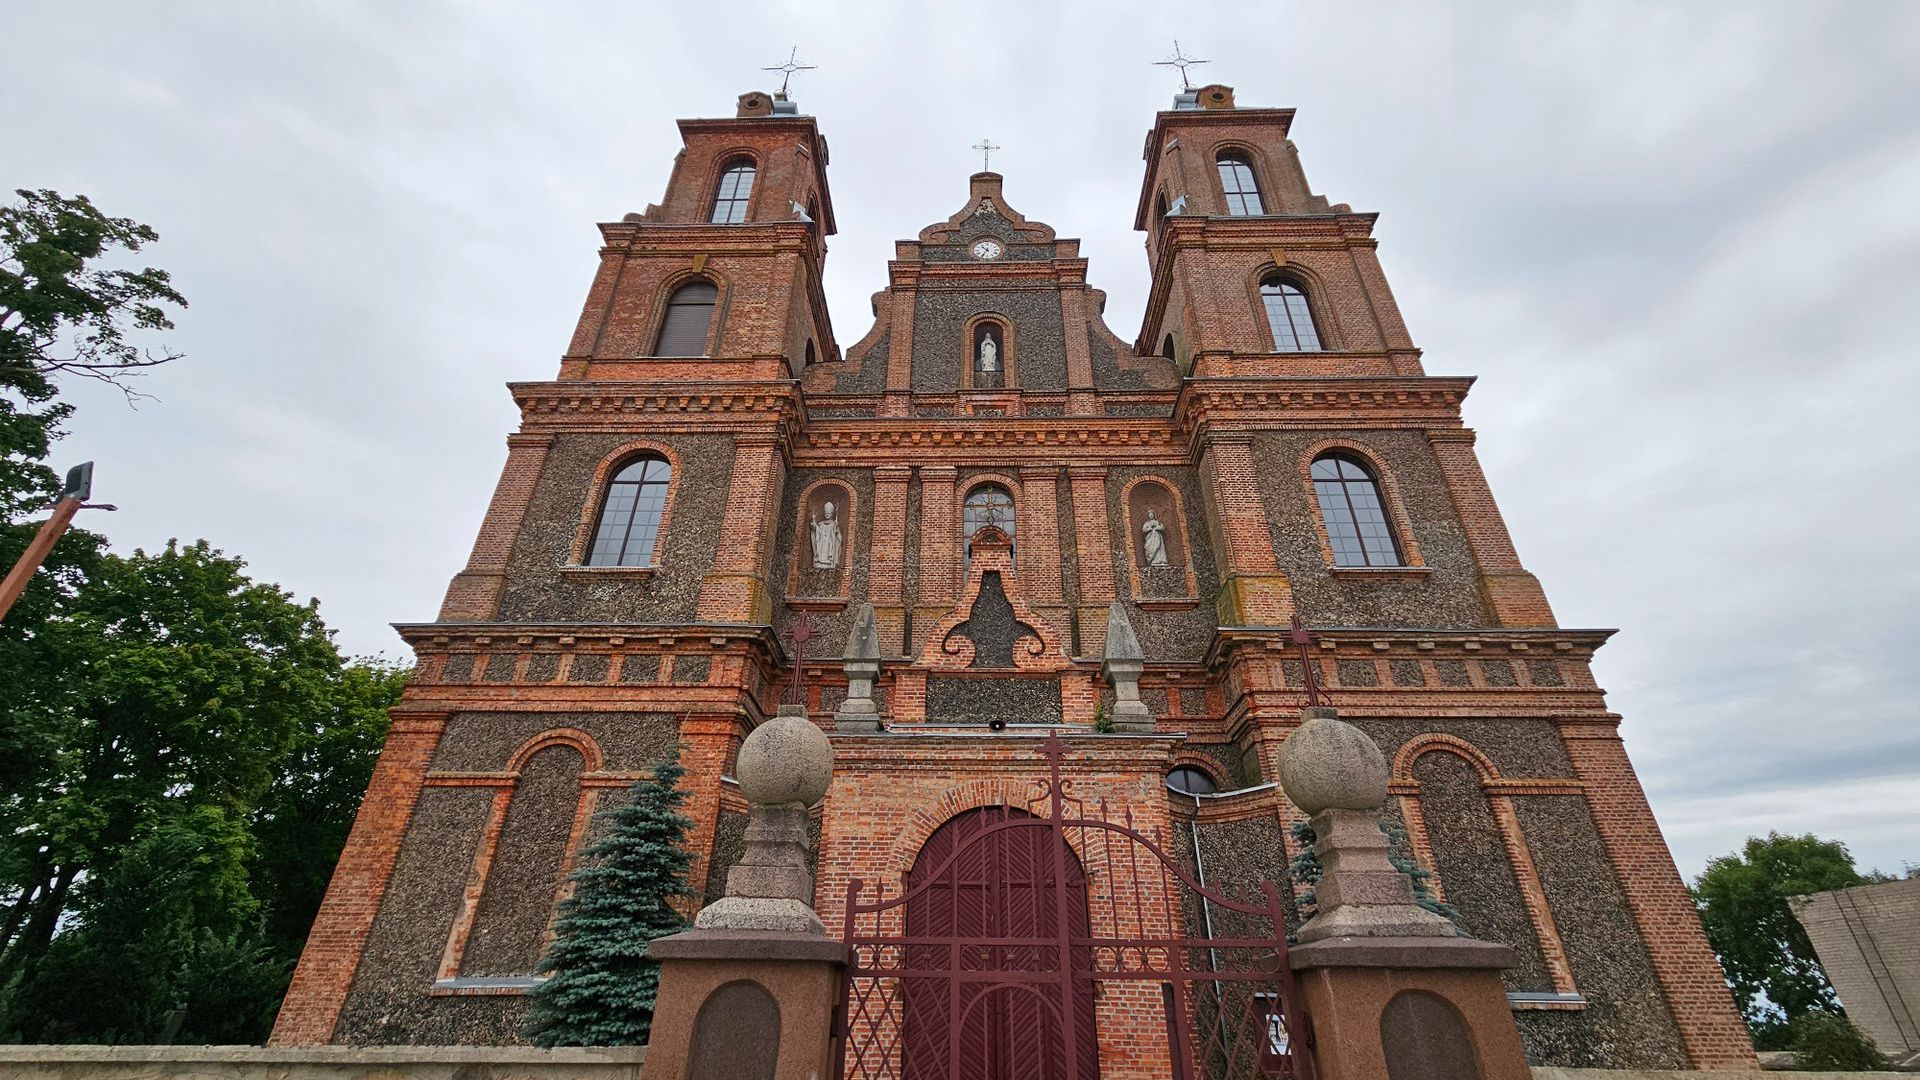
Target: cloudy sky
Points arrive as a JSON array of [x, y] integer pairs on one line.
[[1679, 242]]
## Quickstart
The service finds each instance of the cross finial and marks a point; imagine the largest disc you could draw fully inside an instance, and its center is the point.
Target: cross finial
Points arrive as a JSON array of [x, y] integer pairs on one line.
[[787, 69], [801, 633], [986, 148], [1299, 636], [1181, 62]]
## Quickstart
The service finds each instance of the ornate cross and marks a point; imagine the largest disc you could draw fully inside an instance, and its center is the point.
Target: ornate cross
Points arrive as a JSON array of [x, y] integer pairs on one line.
[[801, 633], [986, 148], [787, 69], [1181, 62], [1300, 637]]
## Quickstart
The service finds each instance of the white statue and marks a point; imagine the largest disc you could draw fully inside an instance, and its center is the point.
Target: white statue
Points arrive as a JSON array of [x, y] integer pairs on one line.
[[826, 540], [989, 356], [1153, 537]]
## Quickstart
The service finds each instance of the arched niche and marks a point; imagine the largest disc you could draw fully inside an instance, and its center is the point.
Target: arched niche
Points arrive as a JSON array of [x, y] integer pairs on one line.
[[989, 369], [822, 541], [1424, 1037], [736, 1034], [1158, 549]]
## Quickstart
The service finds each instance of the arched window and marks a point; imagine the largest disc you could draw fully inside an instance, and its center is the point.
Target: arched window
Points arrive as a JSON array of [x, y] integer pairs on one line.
[[1239, 186], [1188, 780], [812, 356], [736, 186], [988, 504], [630, 514], [1288, 316], [689, 316], [1356, 519], [1167, 349]]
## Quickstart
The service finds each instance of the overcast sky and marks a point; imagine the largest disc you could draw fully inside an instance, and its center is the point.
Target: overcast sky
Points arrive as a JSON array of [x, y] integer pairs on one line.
[[1680, 243]]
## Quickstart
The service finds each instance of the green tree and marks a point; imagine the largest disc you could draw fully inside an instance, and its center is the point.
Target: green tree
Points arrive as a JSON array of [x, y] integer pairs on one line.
[[1824, 1041], [602, 986], [1770, 963], [192, 707], [302, 822]]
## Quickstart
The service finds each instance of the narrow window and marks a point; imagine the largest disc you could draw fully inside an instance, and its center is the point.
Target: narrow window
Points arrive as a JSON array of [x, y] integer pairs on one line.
[[1167, 349], [1288, 316], [689, 316], [1356, 519], [1188, 780], [1239, 186], [730, 201], [812, 357], [988, 504], [630, 514]]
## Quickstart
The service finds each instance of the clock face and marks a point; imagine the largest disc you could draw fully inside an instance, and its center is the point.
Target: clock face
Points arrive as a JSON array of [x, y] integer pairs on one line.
[[987, 249]]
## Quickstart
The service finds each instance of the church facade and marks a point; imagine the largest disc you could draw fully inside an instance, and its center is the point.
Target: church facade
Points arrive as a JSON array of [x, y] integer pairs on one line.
[[1009, 486]]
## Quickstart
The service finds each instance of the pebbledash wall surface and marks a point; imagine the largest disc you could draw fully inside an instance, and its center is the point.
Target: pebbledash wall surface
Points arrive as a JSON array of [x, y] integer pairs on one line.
[[606, 616]]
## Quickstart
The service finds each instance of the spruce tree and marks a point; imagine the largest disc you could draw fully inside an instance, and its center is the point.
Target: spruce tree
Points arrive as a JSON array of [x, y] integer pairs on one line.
[[602, 986]]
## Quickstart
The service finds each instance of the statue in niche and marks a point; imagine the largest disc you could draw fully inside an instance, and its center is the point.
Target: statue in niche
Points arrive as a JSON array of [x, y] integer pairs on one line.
[[989, 356], [826, 540], [1153, 537]]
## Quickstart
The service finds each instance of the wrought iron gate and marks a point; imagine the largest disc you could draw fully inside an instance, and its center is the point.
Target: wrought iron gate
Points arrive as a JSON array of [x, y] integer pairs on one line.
[[1025, 937]]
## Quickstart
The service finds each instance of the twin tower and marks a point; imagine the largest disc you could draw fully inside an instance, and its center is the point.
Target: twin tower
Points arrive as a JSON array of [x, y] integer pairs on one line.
[[1002, 478]]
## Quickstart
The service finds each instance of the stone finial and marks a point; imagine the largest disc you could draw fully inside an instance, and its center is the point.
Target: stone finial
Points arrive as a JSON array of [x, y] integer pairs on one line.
[[784, 767], [1328, 764], [862, 663], [1335, 773], [1121, 667]]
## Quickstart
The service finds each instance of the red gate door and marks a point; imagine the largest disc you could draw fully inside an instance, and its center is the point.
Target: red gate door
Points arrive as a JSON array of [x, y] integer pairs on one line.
[[996, 922]]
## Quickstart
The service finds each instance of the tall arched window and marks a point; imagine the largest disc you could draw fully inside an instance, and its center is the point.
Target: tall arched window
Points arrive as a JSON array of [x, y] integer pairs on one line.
[[689, 316], [1356, 518], [988, 504], [630, 514], [1288, 316], [730, 199], [1238, 185]]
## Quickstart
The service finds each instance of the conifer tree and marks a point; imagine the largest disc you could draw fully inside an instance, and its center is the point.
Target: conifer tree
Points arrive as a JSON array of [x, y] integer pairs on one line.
[[602, 986]]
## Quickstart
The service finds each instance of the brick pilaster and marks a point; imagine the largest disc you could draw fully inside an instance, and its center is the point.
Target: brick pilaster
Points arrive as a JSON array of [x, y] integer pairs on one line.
[[706, 740], [1710, 1028], [886, 561], [475, 591], [332, 953], [1039, 544], [1253, 591], [735, 590], [939, 548], [1513, 595], [1093, 547], [1081, 399]]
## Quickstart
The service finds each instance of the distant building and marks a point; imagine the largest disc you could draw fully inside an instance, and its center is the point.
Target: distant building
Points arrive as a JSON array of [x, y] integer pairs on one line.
[[1868, 939], [1002, 478]]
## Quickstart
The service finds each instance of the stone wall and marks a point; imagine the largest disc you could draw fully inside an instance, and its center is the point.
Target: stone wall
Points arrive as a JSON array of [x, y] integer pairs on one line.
[[317, 1063]]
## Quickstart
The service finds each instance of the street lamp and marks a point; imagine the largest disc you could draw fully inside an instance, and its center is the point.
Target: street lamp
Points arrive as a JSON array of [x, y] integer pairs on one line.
[[73, 499]]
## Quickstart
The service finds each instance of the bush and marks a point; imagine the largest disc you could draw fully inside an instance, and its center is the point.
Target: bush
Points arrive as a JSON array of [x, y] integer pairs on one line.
[[1824, 1041]]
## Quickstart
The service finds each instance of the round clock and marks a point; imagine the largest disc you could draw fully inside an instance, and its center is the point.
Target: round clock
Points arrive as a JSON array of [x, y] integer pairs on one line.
[[987, 249]]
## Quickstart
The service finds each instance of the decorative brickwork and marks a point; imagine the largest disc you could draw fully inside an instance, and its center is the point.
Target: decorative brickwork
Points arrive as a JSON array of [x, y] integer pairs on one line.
[[547, 685]]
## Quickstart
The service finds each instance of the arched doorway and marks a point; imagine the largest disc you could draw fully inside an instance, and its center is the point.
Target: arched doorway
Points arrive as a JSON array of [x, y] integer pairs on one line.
[[1007, 894]]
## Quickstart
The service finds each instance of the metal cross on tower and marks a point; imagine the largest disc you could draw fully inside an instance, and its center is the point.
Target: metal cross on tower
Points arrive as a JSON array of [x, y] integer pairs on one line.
[[787, 69], [1181, 62], [986, 148], [1300, 637], [801, 633]]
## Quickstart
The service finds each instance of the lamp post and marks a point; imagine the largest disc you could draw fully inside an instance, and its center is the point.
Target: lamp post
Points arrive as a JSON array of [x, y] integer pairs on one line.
[[72, 500]]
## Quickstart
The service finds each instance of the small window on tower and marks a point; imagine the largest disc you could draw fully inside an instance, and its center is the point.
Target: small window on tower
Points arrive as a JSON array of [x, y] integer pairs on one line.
[[736, 186], [1356, 518], [683, 332], [1238, 185], [1288, 316]]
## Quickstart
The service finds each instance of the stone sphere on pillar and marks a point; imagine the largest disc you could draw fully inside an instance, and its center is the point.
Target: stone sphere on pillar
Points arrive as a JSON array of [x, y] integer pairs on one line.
[[1328, 764], [785, 760]]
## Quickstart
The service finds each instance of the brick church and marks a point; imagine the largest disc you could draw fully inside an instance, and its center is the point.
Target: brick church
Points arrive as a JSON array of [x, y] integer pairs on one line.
[[1026, 502]]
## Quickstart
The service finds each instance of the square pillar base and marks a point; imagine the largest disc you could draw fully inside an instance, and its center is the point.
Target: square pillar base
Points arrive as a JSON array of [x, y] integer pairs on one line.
[[1409, 1009], [744, 1005]]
